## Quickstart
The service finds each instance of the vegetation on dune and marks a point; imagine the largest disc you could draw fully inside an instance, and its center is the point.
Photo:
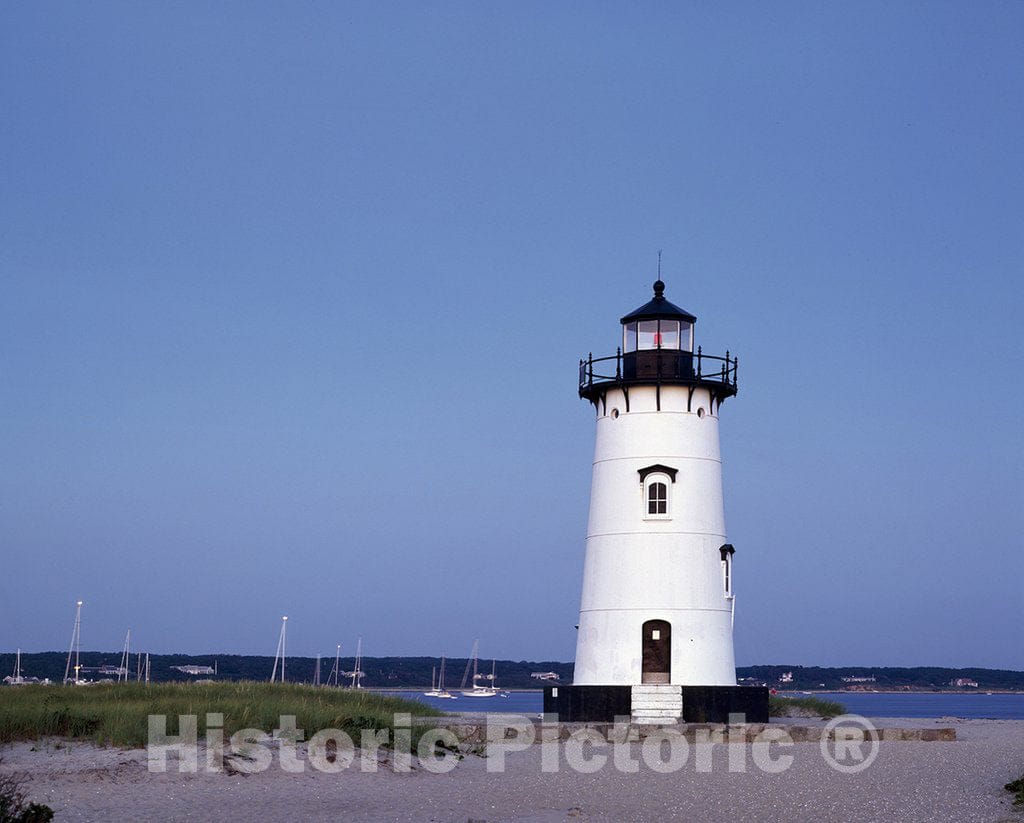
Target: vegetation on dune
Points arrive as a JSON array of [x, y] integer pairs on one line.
[[1016, 787], [117, 713], [803, 707], [15, 807]]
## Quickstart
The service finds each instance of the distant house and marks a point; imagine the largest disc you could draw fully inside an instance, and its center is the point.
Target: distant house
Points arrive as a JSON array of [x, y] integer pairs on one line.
[[856, 679], [787, 677], [18, 680], [194, 670], [964, 682], [545, 676]]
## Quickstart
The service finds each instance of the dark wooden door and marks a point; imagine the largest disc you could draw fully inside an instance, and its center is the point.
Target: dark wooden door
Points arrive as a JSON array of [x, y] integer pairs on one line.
[[657, 652]]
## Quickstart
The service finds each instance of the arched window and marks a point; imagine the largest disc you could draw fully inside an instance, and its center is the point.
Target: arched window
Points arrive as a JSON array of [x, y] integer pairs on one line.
[[657, 498], [656, 482]]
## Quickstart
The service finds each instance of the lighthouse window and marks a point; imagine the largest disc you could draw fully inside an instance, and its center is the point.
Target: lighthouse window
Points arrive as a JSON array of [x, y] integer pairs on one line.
[[657, 334], [668, 331], [654, 484], [657, 498], [629, 341], [686, 336], [648, 335], [727, 551]]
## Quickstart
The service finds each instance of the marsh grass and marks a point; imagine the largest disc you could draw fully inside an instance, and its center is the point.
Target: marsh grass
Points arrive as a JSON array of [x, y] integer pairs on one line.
[[117, 713], [803, 707]]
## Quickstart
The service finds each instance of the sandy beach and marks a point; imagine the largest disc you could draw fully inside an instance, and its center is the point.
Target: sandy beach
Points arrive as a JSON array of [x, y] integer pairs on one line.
[[909, 781]]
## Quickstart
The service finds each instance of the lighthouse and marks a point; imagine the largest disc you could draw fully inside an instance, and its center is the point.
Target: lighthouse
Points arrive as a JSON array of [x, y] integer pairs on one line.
[[658, 599]]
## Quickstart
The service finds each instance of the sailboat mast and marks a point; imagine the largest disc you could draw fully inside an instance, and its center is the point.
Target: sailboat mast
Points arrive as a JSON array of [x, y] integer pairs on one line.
[[335, 672], [279, 654], [358, 667], [75, 645], [470, 662], [122, 673], [78, 640]]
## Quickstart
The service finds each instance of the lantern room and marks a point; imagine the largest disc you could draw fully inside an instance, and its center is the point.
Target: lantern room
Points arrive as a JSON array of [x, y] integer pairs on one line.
[[658, 324], [657, 340], [658, 349]]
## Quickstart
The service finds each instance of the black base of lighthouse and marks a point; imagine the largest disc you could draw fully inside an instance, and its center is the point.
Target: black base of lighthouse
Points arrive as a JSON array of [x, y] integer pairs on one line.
[[714, 704], [701, 704], [588, 704]]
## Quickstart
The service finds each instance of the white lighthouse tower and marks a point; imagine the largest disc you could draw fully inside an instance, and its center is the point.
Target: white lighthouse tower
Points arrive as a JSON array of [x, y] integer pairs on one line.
[[657, 604]]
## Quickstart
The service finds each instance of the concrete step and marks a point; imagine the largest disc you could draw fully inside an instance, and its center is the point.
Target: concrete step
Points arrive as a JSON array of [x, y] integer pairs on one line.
[[676, 705], [661, 698], [654, 703], [666, 719], [658, 711]]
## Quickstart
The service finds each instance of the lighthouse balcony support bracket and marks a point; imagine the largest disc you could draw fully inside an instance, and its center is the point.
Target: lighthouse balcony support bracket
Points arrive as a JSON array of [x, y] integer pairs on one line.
[[658, 367]]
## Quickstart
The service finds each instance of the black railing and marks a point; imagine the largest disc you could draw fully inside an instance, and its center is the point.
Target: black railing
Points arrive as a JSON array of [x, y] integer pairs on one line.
[[666, 366]]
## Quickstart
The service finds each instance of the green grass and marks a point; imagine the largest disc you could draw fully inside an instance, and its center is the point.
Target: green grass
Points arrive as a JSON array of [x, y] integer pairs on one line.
[[117, 714], [803, 707]]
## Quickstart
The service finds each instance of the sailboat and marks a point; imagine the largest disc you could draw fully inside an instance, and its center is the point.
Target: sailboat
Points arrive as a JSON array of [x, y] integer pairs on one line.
[[478, 690], [357, 673], [438, 689], [16, 679]]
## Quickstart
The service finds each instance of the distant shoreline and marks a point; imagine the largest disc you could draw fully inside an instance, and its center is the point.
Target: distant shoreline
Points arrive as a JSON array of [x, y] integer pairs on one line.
[[417, 672], [900, 691], [780, 691]]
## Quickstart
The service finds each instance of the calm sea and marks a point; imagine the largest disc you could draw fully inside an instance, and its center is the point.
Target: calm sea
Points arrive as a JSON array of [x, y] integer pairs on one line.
[[904, 704]]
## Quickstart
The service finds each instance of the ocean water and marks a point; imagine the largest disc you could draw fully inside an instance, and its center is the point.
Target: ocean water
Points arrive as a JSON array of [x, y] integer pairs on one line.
[[529, 702], [902, 704], [931, 704]]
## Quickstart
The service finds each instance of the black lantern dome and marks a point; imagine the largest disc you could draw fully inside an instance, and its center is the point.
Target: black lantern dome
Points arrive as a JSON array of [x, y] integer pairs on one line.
[[657, 349], [658, 307]]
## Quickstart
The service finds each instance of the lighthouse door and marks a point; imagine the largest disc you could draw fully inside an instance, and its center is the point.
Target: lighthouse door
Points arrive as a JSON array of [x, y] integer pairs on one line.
[[657, 652]]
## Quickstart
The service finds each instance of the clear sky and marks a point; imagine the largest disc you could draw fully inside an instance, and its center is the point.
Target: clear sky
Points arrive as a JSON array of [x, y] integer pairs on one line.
[[293, 298]]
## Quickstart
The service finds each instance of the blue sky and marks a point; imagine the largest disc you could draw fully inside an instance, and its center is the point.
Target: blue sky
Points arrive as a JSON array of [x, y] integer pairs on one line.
[[293, 297]]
